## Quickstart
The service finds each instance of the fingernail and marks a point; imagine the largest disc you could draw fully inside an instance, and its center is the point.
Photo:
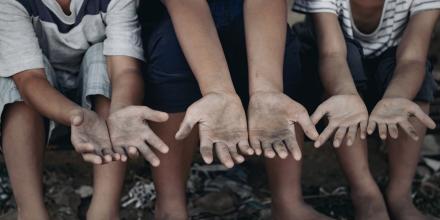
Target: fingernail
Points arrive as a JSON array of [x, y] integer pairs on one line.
[[156, 163], [317, 144]]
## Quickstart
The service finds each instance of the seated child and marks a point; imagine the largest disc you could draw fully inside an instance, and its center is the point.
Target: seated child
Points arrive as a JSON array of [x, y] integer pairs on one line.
[[209, 61], [58, 61], [372, 56]]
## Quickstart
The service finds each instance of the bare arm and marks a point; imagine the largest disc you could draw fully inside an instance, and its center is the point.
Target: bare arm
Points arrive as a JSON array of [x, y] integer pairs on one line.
[[219, 113], [396, 106], [271, 113], [345, 110], [38, 93], [128, 131], [89, 132], [333, 69], [200, 43], [411, 56], [265, 23], [126, 81]]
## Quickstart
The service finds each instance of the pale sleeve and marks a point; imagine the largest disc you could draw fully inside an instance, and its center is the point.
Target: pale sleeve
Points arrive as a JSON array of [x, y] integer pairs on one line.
[[19, 48], [423, 5], [123, 31], [315, 6]]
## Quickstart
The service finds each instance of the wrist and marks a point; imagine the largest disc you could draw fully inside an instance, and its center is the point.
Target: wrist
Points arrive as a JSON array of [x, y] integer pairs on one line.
[[393, 95], [76, 115], [219, 90], [265, 86]]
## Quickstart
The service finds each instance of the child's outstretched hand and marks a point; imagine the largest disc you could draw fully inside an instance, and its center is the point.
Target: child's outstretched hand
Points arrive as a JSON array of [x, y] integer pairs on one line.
[[390, 113], [90, 137], [345, 113], [222, 125], [130, 133], [272, 118]]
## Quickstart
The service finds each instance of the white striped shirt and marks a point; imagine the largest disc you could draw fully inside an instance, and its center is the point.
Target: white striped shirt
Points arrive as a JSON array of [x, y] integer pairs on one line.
[[394, 19]]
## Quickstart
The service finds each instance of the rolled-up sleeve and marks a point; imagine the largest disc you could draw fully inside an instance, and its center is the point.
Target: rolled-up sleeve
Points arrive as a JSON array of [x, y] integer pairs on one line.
[[423, 5], [315, 6], [123, 31], [19, 48]]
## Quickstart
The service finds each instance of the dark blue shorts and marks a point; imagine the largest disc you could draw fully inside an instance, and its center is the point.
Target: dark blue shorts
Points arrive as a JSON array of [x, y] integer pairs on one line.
[[170, 83], [371, 75]]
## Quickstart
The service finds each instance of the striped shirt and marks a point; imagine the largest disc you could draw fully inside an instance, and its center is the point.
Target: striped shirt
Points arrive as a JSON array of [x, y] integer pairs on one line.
[[31, 29], [394, 19]]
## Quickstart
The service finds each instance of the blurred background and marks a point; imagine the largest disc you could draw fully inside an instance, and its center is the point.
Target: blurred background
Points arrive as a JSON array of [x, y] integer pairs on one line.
[[239, 193]]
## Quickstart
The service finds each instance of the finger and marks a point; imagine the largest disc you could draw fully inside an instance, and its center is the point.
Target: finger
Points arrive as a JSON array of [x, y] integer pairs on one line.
[[393, 131], [206, 149], [121, 152], [110, 154], [351, 134], [293, 146], [223, 155], [423, 117], [106, 158], [84, 148], [149, 155], [267, 148], [92, 158], [308, 126], [235, 155], [154, 141], [319, 113], [363, 129], [409, 129], [132, 152], [325, 135], [280, 149], [186, 126], [339, 136], [382, 127], [245, 148], [153, 115], [371, 126], [256, 145]]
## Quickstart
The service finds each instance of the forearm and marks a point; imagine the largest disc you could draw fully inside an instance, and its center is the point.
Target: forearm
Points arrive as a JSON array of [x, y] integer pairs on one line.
[[411, 56], [407, 79], [126, 81], [127, 90], [265, 26], [200, 43], [38, 93], [333, 67], [335, 75]]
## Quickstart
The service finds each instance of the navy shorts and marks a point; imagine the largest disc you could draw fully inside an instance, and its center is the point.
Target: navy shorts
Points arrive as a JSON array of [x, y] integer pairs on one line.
[[371, 75], [170, 83]]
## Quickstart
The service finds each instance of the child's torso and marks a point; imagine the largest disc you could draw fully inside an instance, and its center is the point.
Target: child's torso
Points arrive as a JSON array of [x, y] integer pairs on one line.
[[67, 28]]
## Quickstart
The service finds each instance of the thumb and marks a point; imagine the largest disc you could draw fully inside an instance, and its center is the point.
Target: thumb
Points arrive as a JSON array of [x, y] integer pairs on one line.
[[319, 113], [308, 126], [77, 118], [186, 126], [153, 115]]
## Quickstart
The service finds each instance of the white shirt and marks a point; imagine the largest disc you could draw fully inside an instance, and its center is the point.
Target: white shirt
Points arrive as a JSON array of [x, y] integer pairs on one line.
[[394, 19]]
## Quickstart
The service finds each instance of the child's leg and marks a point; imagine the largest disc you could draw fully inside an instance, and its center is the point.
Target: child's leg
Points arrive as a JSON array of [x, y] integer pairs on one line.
[[285, 184], [23, 141], [365, 194], [108, 179], [171, 176], [403, 154]]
